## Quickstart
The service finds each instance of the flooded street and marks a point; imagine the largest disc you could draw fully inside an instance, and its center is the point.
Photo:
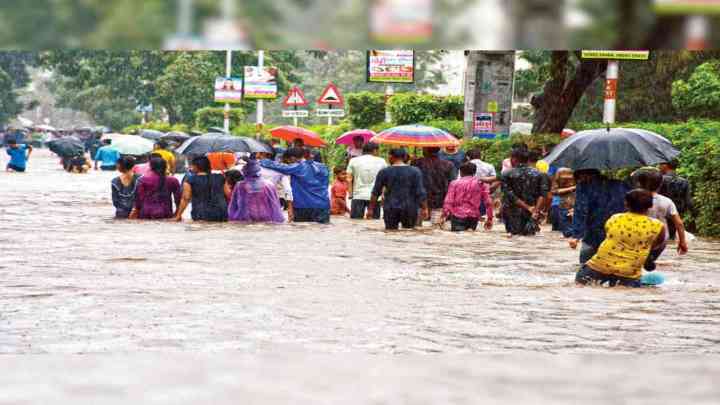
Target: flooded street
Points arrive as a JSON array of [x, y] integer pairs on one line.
[[320, 308], [73, 280]]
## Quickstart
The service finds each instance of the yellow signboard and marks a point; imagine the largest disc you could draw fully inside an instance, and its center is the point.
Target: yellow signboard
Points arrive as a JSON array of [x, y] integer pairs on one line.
[[685, 7], [493, 107], [616, 55]]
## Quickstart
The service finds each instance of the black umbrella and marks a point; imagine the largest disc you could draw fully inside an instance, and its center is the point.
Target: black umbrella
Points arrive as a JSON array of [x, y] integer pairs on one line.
[[207, 143], [217, 130], [68, 146], [151, 134], [616, 148], [177, 137]]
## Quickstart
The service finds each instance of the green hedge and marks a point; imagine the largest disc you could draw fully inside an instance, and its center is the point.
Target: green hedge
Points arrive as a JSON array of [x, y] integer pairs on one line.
[[214, 117], [411, 108], [366, 109]]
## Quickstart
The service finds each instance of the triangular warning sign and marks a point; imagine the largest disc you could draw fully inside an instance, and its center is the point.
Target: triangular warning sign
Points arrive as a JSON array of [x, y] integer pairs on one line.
[[331, 95], [295, 98]]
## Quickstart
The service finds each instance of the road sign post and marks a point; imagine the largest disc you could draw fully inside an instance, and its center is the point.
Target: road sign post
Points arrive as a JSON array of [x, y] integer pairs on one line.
[[332, 97], [295, 98]]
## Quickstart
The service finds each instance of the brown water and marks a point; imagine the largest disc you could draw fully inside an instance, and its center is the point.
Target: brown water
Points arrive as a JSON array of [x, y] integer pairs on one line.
[[73, 280], [334, 314]]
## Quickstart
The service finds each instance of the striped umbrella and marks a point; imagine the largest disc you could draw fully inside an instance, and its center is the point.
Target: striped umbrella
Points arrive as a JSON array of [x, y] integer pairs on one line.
[[291, 133], [416, 135]]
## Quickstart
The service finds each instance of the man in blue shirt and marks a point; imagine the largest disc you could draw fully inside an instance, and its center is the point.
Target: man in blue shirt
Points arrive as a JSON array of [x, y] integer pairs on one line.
[[19, 155], [108, 155], [310, 184], [597, 199]]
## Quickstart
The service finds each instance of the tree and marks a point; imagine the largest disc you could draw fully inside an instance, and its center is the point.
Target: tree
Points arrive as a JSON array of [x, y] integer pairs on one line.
[[13, 77], [185, 86], [699, 96], [570, 76]]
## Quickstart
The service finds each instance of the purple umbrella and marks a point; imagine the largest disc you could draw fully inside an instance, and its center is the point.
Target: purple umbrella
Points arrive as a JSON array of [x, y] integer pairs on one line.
[[347, 138]]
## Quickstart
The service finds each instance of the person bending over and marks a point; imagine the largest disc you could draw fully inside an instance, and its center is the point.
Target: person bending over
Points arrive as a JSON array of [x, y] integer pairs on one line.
[[629, 239]]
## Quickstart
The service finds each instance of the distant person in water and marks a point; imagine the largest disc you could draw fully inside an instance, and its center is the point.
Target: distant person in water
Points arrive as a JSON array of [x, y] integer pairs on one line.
[[19, 156], [664, 210], [144, 168], [124, 188], [156, 193], [79, 164], [107, 156], [255, 199], [629, 239], [206, 191], [339, 192], [310, 185], [403, 192], [162, 149], [463, 200], [232, 177], [677, 189]]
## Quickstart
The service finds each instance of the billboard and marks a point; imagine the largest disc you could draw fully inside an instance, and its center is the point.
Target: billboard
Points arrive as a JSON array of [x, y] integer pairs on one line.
[[260, 83], [228, 89], [391, 66]]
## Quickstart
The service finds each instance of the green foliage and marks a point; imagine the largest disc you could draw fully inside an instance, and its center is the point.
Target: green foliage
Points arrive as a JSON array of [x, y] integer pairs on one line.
[[412, 108], [699, 144], [9, 104], [453, 127], [366, 109], [699, 96], [214, 117]]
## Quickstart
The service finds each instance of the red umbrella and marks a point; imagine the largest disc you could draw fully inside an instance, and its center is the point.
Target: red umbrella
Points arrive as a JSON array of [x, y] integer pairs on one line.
[[290, 133], [347, 137]]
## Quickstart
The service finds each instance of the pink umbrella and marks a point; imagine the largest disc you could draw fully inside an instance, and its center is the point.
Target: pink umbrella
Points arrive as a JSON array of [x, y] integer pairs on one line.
[[347, 138]]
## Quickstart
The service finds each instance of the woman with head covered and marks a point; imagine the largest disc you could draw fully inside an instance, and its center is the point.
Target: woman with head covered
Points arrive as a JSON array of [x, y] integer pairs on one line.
[[255, 199]]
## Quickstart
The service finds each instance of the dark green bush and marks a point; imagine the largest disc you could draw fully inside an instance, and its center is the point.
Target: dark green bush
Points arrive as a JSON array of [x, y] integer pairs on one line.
[[412, 108], [366, 109], [214, 117]]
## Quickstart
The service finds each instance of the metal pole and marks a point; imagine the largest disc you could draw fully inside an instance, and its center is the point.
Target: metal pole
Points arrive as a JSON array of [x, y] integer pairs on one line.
[[329, 116], [228, 73], [389, 91], [261, 63], [611, 85], [185, 17]]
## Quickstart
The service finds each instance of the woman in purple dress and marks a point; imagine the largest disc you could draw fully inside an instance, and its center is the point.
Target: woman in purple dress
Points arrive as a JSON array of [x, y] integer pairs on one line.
[[255, 199], [155, 193]]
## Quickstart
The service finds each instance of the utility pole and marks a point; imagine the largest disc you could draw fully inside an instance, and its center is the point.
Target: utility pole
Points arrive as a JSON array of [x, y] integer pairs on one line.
[[228, 74], [228, 10], [261, 64]]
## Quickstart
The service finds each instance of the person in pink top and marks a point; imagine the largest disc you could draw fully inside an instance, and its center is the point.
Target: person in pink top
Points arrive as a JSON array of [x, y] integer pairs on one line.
[[144, 168], [463, 200]]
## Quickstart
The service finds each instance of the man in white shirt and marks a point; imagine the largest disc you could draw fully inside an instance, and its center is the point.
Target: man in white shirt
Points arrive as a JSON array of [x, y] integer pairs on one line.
[[363, 171]]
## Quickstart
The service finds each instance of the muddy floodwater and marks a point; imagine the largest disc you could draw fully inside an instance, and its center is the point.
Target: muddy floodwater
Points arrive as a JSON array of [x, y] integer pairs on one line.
[[73, 280]]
